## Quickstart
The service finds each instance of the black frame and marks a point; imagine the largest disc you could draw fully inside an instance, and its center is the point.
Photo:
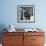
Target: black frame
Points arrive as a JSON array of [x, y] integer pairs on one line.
[[23, 10]]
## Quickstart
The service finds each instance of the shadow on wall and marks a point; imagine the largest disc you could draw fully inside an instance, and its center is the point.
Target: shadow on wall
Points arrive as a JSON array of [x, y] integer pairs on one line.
[[2, 26]]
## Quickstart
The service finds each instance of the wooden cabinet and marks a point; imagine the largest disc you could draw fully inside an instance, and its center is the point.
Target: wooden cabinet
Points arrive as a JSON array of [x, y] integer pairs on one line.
[[13, 39], [34, 39], [23, 39]]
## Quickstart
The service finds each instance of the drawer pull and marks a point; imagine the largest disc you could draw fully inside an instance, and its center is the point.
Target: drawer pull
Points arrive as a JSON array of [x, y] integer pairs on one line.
[[33, 39], [10, 38]]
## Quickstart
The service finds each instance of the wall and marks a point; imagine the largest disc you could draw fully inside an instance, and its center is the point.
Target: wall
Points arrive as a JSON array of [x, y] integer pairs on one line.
[[9, 13]]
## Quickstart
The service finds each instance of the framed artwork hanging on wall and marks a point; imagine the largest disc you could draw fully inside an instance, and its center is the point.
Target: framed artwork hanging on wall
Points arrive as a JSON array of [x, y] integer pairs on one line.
[[26, 13]]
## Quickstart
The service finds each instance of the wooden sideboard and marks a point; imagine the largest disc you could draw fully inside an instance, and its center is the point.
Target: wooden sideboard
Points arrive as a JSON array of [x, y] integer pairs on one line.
[[23, 38]]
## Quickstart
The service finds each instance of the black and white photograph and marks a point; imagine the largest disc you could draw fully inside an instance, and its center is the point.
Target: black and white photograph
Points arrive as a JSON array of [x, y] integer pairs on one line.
[[26, 13]]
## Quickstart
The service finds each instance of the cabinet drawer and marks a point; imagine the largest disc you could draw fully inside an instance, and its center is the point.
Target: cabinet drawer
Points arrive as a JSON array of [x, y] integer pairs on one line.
[[12, 39], [12, 44], [37, 44], [13, 33], [34, 33], [8, 44], [37, 39]]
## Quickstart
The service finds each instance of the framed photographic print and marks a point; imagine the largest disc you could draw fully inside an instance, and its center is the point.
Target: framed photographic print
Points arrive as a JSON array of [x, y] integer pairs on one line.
[[26, 13]]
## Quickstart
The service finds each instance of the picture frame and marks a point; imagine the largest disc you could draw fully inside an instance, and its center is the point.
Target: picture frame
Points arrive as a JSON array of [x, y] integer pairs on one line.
[[26, 13]]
